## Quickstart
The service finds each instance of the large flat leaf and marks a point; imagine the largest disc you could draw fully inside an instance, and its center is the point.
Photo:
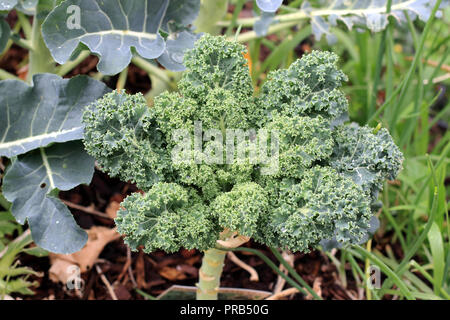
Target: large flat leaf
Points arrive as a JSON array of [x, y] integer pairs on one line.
[[49, 111], [26, 6], [173, 55], [116, 29], [7, 5], [180, 13], [109, 28], [31, 184], [269, 5]]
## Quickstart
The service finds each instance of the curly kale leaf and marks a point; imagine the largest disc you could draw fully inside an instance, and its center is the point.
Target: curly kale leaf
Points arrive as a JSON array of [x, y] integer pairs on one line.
[[309, 87], [303, 141], [167, 217], [322, 205], [216, 63], [241, 208], [367, 158], [121, 134]]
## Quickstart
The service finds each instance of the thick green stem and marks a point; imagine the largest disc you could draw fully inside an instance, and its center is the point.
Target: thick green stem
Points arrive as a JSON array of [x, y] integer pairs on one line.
[[211, 12], [72, 64], [41, 60], [4, 75], [209, 274]]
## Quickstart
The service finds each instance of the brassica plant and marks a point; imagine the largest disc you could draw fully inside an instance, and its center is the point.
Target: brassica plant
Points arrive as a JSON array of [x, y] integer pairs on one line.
[[42, 139], [219, 165]]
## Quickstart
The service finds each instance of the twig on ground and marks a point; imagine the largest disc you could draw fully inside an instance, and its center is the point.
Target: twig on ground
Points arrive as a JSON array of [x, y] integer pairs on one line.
[[86, 209], [283, 294], [253, 274], [431, 63], [289, 257], [317, 288], [130, 271], [125, 266], [106, 282]]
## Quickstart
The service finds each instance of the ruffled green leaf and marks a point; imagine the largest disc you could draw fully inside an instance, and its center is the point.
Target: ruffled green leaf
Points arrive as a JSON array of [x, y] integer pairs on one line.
[[309, 87], [167, 217], [241, 208], [367, 158], [121, 134]]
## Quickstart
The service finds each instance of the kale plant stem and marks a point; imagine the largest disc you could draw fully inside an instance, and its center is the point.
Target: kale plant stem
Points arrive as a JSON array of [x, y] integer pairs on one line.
[[41, 60], [210, 13], [209, 274]]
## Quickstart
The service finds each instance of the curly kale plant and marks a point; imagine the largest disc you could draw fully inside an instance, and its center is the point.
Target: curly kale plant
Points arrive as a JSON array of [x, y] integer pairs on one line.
[[315, 182]]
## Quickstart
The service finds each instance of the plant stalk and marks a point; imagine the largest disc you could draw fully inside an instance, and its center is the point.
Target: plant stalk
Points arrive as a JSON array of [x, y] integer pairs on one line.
[[209, 274], [212, 264], [211, 12], [41, 61]]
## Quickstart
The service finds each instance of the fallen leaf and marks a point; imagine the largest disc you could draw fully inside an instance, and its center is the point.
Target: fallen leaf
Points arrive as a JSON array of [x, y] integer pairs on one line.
[[62, 270], [189, 270], [172, 274], [193, 260], [121, 292], [112, 208]]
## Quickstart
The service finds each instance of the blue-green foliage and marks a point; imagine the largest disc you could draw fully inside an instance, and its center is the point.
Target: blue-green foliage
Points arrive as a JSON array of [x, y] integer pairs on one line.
[[329, 173]]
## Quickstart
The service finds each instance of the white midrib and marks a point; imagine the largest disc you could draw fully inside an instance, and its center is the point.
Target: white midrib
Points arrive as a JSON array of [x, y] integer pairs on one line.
[[47, 168], [149, 36], [37, 138]]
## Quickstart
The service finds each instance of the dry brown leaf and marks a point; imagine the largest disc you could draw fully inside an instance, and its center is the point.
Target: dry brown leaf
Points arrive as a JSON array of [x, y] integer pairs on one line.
[[188, 270], [121, 292], [172, 274], [61, 264], [193, 260], [112, 208], [188, 253]]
